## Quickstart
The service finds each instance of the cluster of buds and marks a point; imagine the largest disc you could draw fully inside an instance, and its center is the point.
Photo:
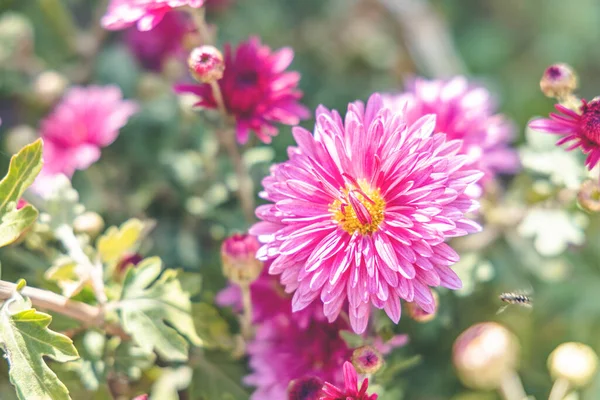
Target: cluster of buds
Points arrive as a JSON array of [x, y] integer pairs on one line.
[[486, 358], [238, 256]]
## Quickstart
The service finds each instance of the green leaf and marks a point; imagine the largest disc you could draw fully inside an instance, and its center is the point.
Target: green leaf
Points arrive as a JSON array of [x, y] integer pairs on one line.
[[156, 312], [171, 380], [131, 360], [217, 377], [211, 327], [24, 167], [26, 339]]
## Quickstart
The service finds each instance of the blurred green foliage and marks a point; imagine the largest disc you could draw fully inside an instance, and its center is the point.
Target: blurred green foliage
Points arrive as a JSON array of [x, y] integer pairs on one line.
[[166, 165]]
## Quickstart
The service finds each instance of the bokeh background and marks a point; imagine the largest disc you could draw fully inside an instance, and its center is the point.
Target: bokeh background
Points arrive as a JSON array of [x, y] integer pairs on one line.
[[166, 164]]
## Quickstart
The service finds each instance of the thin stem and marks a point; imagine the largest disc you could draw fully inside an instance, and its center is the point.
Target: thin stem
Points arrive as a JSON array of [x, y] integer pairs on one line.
[[228, 141], [93, 270], [511, 387], [560, 389], [247, 331], [198, 16], [86, 314]]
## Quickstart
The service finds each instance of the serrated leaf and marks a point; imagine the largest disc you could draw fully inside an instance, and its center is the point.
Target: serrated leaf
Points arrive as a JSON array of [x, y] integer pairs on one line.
[[131, 360], [156, 311], [24, 167], [217, 377], [26, 339], [117, 241]]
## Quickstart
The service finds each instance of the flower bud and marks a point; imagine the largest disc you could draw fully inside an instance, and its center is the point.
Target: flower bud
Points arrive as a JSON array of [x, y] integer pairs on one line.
[[238, 255], [132, 259], [367, 360], [575, 362], [89, 222], [308, 388], [420, 315], [141, 397], [16, 37], [589, 196], [484, 354], [206, 64], [49, 87], [559, 80]]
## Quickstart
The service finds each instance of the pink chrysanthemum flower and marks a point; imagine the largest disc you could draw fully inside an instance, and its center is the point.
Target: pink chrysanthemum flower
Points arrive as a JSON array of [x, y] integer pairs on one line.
[[146, 14], [256, 90], [361, 210], [579, 129], [351, 389], [152, 48], [283, 351], [87, 119], [467, 113]]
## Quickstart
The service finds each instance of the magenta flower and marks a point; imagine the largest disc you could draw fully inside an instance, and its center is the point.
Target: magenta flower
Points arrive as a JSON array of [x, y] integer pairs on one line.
[[466, 113], [351, 389], [146, 14], [283, 351], [361, 210], [153, 48], [87, 119], [578, 129], [256, 90], [269, 300]]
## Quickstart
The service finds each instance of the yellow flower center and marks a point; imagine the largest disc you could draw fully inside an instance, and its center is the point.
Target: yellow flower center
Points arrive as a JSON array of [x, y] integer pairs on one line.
[[361, 208]]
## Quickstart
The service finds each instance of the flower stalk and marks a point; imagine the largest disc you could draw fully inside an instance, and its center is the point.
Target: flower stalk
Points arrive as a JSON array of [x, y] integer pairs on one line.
[[246, 317], [511, 387], [560, 389]]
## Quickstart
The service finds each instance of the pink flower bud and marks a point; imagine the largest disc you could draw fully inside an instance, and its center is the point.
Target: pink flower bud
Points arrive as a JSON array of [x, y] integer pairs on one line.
[[308, 388], [420, 315], [238, 255], [206, 64], [367, 360], [484, 354], [559, 80]]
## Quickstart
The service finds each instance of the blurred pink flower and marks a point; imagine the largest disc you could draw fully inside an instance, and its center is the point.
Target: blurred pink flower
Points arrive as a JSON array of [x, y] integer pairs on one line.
[[146, 14], [87, 119], [578, 129], [283, 351], [467, 113], [361, 210], [351, 389], [153, 47], [269, 300], [256, 90]]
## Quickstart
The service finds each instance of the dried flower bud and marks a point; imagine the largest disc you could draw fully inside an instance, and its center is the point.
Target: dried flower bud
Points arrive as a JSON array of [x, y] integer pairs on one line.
[[19, 137], [589, 196], [420, 315], [484, 354], [49, 87], [238, 255], [308, 388], [574, 362], [367, 360], [89, 222], [559, 80], [132, 259], [206, 64]]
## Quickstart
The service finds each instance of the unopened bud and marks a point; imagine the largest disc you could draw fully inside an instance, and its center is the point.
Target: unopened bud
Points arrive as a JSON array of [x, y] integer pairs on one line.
[[49, 87], [420, 315], [589, 196], [238, 255], [367, 360], [308, 388], [141, 397], [19, 137], [206, 64], [559, 81], [16, 36], [89, 222], [484, 354], [575, 362]]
